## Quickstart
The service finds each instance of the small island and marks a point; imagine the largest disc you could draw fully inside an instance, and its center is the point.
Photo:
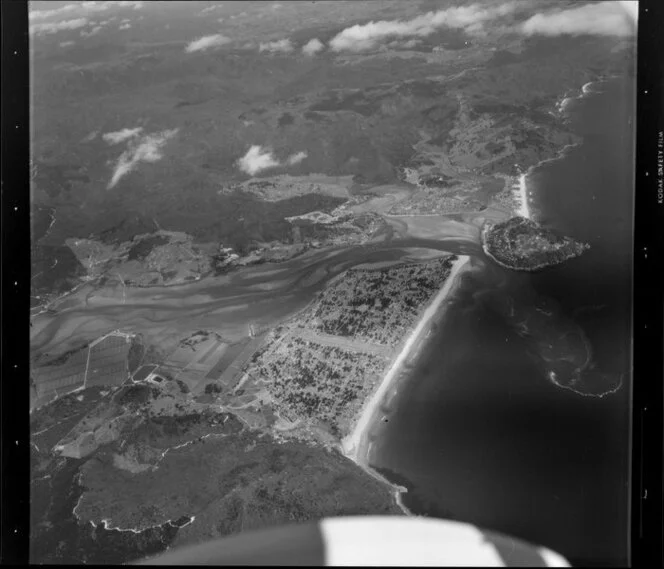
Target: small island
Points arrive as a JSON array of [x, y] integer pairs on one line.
[[523, 245]]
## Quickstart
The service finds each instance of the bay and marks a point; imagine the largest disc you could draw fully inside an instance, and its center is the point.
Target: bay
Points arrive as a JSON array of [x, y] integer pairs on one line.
[[516, 417]]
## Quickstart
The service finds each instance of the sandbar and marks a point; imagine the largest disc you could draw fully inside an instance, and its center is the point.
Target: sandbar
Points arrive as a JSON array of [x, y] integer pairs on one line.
[[356, 445]]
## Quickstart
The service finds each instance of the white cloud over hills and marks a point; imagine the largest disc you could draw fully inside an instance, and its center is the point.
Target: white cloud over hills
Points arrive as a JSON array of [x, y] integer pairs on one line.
[[601, 18], [121, 135], [94, 31], [207, 42], [596, 18], [279, 46], [54, 27], [296, 158], [74, 16], [312, 47], [258, 159], [37, 15], [146, 149], [83, 8], [210, 9], [362, 37]]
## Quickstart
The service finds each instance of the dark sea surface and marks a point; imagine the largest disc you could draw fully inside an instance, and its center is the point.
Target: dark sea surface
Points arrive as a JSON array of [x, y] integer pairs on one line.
[[517, 416]]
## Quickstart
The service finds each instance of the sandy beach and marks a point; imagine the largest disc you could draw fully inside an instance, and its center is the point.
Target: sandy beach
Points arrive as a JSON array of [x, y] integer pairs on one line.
[[356, 445]]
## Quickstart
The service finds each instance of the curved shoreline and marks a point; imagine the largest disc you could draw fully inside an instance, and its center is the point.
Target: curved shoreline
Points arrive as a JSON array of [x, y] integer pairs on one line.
[[506, 266], [520, 190], [356, 445]]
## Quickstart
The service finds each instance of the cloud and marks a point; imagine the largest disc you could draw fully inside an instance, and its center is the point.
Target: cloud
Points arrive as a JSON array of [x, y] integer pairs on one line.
[[283, 46], [124, 26], [207, 42], [121, 135], [277, 6], [92, 32], [210, 9], [256, 159], [312, 47], [83, 8], [102, 6], [135, 5], [362, 37], [36, 15], [54, 27], [146, 149], [297, 158], [411, 43], [600, 19]]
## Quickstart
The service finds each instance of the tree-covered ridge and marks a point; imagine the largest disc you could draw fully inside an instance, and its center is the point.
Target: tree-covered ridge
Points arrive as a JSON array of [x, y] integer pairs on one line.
[[523, 245]]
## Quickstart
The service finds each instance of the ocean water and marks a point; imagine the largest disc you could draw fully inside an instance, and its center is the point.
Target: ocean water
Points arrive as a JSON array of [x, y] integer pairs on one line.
[[517, 415]]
